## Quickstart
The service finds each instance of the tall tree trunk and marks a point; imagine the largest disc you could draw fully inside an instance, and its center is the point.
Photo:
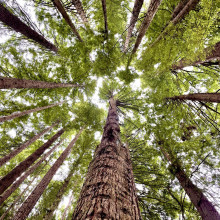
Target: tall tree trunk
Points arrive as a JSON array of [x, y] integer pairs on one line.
[[19, 114], [15, 152], [201, 97], [153, 7], [16, 184], [136, 10], [108, 191], [62, 190], [67, 207], [30, 202], [179, 8], [10, 83], [79, 7], [105, 16], [199, 200], [15, 23], [66, 17], [210, 56], [8, 179]]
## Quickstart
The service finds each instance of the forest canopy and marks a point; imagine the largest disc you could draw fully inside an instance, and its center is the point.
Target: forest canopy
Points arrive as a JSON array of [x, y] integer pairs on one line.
[[62, 65]]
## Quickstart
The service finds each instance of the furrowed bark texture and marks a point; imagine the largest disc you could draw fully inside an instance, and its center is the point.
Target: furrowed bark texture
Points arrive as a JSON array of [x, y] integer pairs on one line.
[[153, 7], [205, 208], [79, 7], [105, 15], [16, 184], [11, 83], [109, 191], [15, 23], [30, 202], [203, 97], [19, 114], [66, 17], [136, 10], [15, 152], [210, 56], [8, 179]]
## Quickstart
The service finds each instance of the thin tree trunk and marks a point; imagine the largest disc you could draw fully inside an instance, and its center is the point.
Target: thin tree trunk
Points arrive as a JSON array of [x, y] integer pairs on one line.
[[108, 191], [30, 202], [210, 56], [62, 190], [15, 152], [61, 9], [15, 23], [8, 179], [19, 114], [153, 7], [11, 83], [136, 10], [67, 207], [16, 184], [199, 200], [179, 8], [105, 15], [201, 97], [79, 7]]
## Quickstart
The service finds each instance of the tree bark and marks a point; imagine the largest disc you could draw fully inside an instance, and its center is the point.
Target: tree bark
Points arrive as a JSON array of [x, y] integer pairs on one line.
[[16, 184], [109, 191], [66, 17], [105, 16], [153, 7], [79, 7], [30, 202], [201, 97], [135, 13], [15, 152], [11, 83], [210, 56], [199, 200], [19, 114], [8, 179], [179, 8], [15, 23]]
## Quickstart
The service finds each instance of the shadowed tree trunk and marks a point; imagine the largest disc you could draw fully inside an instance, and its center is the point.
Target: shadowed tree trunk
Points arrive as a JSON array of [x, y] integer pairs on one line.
[[109, 191], [15, 152], [10, 83], [30, 202], [79, 7], [15, 23], [66, 17], [8, 179], [153, 7], [213, 55], [201, 97], [179, 8], [105, 16], [62, 190], [19, 114], [136, 10], [16, 184], [199, 200]]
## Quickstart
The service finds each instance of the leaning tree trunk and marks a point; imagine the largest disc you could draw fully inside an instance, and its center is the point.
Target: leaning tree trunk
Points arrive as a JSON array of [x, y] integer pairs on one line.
[[109, 191], [105, 16], [11, 83], [213, 55], [66, 17], [30, 202], [79, 7], [15, 185], [15, 23], [135, 13], [67, 207], [153, 7], [179, 8], [15, 152], [199, 200], [19, 114], [8, 179], [201, 97]]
